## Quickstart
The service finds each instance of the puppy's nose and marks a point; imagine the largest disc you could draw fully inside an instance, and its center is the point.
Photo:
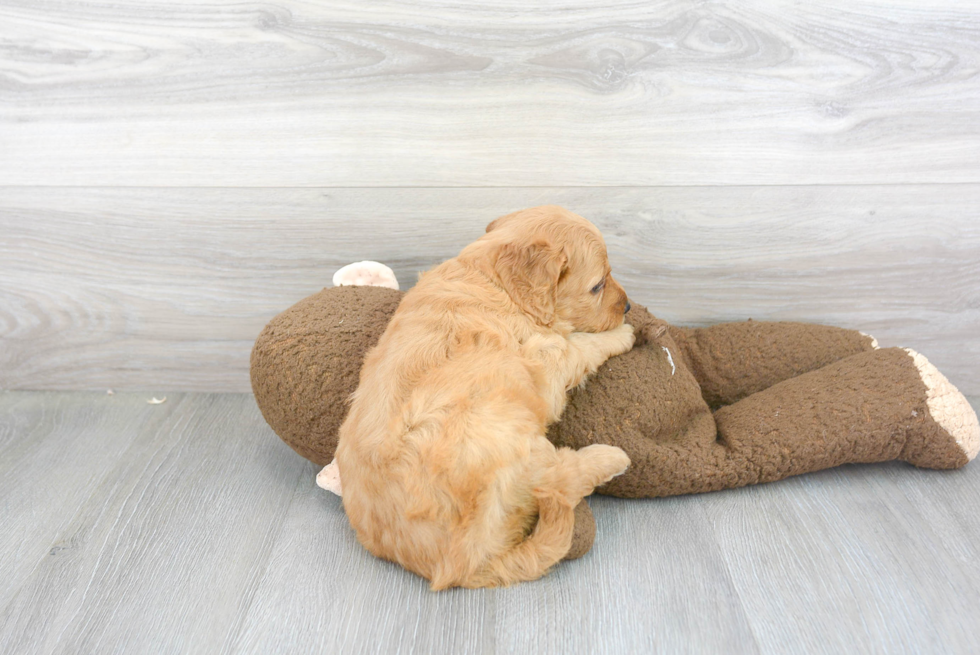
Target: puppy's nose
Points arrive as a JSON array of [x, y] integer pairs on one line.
[[627, 310]]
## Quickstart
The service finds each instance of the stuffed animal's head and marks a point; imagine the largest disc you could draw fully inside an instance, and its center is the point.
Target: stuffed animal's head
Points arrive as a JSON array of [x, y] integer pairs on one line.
[[306, 362]]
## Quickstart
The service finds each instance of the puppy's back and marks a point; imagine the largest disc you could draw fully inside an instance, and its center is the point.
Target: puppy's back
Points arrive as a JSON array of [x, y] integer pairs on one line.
[[443, 457]]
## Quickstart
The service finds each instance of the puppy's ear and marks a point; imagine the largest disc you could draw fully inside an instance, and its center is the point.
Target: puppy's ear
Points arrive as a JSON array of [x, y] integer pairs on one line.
[[494, 224], [529, 273]]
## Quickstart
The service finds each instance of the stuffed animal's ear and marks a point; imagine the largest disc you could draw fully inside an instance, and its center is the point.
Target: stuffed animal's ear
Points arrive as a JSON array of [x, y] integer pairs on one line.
[[366, 274], [529, 273]]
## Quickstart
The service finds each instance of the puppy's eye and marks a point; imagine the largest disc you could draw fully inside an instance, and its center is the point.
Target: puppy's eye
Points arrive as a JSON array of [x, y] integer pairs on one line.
[[597, 288]]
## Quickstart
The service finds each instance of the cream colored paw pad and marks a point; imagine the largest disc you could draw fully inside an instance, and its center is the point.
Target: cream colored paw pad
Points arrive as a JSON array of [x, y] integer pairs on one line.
[[948, 407]]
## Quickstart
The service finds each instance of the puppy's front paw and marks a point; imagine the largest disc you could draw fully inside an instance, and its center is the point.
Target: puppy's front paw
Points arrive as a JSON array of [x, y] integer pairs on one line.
[[621, 339]]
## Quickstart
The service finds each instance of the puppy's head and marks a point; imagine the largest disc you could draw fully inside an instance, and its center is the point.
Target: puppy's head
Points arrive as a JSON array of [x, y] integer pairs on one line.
[[553, 264]]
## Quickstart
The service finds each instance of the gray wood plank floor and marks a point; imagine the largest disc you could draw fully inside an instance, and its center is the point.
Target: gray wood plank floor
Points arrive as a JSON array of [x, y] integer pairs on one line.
[[189, 527]]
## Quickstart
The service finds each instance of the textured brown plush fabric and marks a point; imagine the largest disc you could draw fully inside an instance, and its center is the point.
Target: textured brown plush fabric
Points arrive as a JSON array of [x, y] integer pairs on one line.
[[733, 360], [795, 397], [869, 407], [790, 398], [306, 363]]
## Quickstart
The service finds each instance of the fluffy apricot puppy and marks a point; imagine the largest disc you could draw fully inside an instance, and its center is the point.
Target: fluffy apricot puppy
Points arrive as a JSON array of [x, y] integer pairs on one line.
[[445, 465]]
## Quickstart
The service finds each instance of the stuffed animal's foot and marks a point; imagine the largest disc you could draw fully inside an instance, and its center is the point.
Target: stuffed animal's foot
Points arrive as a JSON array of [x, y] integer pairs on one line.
[[948, 407], [329, 478], [583, 535]]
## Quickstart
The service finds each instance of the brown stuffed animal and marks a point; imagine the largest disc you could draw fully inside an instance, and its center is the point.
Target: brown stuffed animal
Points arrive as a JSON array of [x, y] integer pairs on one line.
[[695, 409]]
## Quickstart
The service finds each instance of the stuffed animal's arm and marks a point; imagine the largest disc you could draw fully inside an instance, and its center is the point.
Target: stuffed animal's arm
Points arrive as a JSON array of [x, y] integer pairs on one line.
[[734, 360]]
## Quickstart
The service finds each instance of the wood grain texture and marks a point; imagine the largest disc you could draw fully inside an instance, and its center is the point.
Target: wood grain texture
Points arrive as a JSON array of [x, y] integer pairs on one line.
[[168, 288], [207, 534], [55, 452], [625, 596], [166, 551], [290, 93], [870, 530]]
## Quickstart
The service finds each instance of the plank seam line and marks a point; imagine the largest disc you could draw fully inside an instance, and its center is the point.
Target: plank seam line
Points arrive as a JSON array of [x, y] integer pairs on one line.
[[474, 187]]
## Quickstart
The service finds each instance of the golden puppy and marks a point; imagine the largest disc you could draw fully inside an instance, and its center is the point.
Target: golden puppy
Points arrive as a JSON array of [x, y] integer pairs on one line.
[[445, 466]]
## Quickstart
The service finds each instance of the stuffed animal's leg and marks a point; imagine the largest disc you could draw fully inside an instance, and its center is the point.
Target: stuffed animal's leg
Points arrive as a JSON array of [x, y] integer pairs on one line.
[[734, 360], [872, 407]]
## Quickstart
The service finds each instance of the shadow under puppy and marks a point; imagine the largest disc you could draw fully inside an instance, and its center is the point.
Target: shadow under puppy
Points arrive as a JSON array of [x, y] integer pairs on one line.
[[446, 469]]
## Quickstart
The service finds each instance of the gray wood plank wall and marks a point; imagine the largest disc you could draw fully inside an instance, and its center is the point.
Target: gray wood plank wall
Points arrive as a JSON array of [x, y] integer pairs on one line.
[[172, 175]]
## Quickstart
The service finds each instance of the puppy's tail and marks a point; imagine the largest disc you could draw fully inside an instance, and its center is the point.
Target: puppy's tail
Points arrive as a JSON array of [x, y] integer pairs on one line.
[[561, 486]]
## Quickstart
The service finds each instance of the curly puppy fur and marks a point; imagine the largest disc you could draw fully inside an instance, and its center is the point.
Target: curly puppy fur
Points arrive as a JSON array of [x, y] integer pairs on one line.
[[443, 454]]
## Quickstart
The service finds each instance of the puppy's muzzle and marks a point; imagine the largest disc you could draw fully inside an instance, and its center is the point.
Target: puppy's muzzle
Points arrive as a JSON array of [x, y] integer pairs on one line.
[[627, 310]]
